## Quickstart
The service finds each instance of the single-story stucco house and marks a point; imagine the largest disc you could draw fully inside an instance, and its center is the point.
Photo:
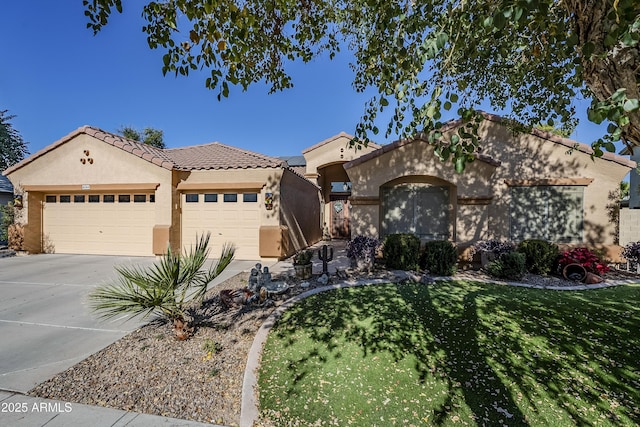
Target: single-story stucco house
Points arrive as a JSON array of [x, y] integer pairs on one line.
[[99, 193], [521, 186], [94, 192]]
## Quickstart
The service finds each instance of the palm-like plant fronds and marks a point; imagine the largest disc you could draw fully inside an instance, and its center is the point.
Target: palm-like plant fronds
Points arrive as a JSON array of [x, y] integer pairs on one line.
[[165, 288]]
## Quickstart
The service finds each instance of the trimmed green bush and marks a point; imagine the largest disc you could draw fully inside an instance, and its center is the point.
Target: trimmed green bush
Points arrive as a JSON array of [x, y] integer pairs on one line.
[[440, 257], [401, 251], [540, 255], [511, 265]]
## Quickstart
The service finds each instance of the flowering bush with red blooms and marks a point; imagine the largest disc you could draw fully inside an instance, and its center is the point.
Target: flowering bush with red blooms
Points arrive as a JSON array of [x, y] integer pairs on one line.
[[585, 258]]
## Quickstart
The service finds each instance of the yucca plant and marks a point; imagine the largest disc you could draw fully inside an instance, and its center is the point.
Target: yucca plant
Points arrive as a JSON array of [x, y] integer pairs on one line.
[[165, 289]]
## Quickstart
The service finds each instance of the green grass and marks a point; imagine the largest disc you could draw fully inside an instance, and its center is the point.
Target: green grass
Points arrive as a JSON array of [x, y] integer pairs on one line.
[[455, 353]]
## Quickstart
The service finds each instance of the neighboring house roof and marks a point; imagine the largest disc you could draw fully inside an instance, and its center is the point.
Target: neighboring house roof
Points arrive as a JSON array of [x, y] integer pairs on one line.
[[207, 156], [294, 161], [333, 138], [219, 156], [298, 164], [569, 143], [5, 185]]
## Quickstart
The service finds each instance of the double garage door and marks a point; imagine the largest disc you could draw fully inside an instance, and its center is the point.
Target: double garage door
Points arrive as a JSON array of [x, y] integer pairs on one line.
[[104, 224], [230, 217], [122, 223]]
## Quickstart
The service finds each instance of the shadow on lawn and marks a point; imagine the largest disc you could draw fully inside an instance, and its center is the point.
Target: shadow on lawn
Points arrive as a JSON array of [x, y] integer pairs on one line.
[[540, 346]]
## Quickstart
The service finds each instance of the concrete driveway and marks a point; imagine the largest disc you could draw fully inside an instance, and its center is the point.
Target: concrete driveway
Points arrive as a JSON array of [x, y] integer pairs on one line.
[[45, 323]]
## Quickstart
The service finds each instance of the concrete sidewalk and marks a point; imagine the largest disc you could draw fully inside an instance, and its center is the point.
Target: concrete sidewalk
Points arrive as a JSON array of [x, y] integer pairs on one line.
[[18, 410]]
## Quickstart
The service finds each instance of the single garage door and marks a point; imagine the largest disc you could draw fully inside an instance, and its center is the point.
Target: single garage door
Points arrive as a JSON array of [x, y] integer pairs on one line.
[[103, 224], [230, 217]]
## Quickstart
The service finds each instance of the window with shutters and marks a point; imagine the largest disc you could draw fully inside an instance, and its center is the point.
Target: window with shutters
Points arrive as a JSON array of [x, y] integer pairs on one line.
[[553, 213], [418, 209]]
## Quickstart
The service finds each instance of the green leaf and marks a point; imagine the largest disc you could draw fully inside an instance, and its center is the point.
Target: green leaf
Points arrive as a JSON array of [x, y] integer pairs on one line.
[[453, 97], [447, 105], [384, 102], [588, 49], [499, 20], [441, 40], [460, 164], [619, 95], [517, 14], [573, 39], [630, 105], [595, 116], [609, 40]]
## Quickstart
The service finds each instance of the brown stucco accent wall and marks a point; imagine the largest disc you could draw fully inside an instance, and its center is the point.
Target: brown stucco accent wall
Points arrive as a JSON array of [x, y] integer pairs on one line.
[[299, 211]]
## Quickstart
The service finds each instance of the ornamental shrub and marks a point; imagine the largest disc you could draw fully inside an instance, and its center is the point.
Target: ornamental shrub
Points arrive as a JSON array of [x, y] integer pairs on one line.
[[362, 247], [510, 265], [583, 256], [496, 247], [439, 257], [540, 255], [631, 252], [401, 251]]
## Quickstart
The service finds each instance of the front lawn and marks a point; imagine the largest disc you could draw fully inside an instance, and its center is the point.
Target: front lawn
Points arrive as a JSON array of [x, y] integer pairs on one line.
[[455, 353]]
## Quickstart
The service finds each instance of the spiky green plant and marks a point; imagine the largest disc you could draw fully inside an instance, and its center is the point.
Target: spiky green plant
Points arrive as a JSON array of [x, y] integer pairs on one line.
[[164, 288]]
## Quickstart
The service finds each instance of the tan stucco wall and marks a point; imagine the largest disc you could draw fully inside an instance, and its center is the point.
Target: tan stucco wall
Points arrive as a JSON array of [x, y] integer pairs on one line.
[[482, 208], [334, 151], [412, 163], [526, 156], [110, 166]]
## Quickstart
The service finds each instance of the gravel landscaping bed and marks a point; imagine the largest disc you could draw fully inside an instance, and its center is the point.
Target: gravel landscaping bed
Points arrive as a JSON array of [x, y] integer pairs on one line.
[[199, 379], [151, 372]]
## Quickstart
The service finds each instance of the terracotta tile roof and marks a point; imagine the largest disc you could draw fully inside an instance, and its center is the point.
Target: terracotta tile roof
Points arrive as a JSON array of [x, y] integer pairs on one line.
[[208, 156], [219, 156], [144, 151]]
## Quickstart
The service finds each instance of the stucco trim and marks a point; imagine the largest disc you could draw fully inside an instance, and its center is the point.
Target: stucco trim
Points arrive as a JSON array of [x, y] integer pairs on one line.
[[418, 139], [147, 186], [355, 200], [548, 181], [475, 200], [333, 138], [187, 186], [453, 124]]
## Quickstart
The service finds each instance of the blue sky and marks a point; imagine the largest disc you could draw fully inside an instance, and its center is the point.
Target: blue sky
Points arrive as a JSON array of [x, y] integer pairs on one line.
[[55, 76]]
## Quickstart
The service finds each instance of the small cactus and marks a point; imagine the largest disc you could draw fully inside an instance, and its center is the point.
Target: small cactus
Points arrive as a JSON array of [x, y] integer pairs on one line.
[[325, 255]]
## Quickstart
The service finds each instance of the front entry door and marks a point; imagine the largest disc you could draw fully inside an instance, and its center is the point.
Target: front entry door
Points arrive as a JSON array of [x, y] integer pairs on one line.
[[340, 219]]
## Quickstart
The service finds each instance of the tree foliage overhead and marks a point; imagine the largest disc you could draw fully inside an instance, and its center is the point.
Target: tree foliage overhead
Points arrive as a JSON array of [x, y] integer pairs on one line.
[[530, 57], [12, 146], [150, 136]]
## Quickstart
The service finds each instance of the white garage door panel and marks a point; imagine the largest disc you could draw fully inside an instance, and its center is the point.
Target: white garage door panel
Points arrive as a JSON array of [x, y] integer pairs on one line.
[[99, 228], [237, 223]]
